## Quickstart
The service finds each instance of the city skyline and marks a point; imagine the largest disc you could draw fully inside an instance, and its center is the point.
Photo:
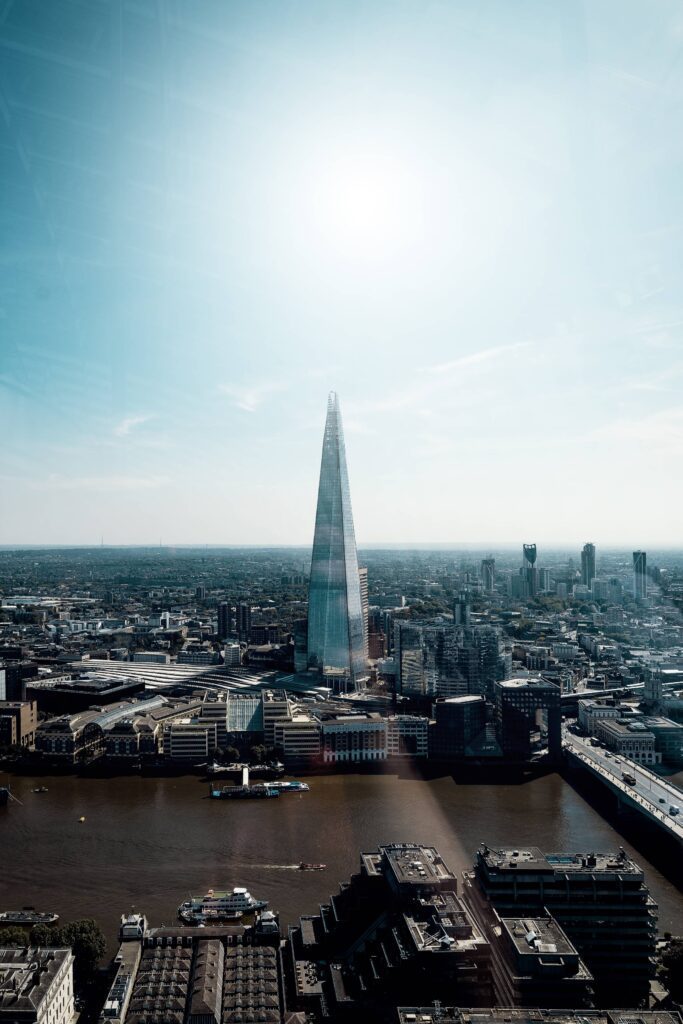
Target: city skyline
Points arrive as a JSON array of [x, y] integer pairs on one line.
[[469, 226]]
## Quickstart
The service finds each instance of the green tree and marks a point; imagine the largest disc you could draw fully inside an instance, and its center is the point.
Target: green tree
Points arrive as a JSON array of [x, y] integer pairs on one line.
[[257, 753], [672, 962], [232, 754], [87, 944], [14, 937]]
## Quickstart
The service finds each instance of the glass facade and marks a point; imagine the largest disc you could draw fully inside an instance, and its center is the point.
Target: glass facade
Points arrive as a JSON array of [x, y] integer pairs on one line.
[[335, 621]]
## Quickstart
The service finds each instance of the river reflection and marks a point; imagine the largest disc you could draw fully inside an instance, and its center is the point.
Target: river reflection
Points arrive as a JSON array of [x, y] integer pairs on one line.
[[149, 842]]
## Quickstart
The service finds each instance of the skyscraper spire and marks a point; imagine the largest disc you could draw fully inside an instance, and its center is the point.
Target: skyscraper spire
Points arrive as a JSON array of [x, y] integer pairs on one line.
[[335, 622]]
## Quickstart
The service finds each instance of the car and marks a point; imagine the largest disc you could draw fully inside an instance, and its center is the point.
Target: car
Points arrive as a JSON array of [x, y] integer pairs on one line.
[[674, 810], [608, 754], [662, 800]]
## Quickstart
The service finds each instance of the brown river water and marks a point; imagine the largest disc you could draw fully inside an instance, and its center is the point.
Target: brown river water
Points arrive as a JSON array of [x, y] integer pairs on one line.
[[146, 843]]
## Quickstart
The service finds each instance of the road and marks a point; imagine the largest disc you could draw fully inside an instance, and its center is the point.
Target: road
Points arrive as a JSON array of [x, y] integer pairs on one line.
[[656, 795]]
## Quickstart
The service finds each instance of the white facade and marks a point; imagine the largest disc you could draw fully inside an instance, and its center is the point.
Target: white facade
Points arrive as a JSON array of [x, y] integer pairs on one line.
[[37, 986], [232, 655], [299, 738], [189, 739]]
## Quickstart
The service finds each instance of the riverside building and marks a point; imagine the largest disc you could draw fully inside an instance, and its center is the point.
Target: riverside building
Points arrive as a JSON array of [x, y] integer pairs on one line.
[[599, 899]]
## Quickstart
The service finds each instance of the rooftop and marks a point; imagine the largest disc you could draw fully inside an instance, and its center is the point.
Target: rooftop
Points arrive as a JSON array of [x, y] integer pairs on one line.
[[533, 859], [26, 975], [410, 864]]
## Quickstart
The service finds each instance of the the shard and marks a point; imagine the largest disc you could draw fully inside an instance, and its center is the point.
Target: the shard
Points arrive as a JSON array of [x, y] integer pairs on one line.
[[336, 646]]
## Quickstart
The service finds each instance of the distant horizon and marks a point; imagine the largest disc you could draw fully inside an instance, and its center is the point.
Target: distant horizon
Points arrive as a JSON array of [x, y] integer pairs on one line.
[[473, 546]]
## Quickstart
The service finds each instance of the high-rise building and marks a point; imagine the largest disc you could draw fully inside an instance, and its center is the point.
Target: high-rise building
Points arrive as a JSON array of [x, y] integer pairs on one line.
[[224, 620], [488, 573], [640, 575], [529, 552], [364, 603], [462, 609], [200, 592], [336, 643], [243, 620], [587, 564]]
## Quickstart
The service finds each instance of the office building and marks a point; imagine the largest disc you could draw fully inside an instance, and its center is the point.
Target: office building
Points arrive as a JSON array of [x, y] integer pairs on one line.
[[190, 739], [298, 738], [243, 620], [275, 707], [488, 573], [336, 644], [462, 609], [599, 899], [396, 931], [458, 723], [364, 603], [518, 729], [640, 575], [587, 564], [536, 964], [244, 714], [408, 736], [354, 738], [224, 624], [18, 723], [36, 986], [200, 592], [440, 1013]]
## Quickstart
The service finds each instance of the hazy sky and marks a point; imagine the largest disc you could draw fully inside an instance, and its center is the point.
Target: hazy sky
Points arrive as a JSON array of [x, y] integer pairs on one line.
[[465, 217]]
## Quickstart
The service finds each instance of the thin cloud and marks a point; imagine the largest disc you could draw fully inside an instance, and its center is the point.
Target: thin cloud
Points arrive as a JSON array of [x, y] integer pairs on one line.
[[124, 428], [474, 358], [248, 399]]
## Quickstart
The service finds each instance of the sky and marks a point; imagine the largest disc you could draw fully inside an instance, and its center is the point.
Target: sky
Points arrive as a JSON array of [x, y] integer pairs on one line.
[[464, 217]]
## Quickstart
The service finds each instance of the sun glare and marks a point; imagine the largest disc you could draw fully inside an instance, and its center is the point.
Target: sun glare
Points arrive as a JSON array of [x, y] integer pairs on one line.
[[365, 204]]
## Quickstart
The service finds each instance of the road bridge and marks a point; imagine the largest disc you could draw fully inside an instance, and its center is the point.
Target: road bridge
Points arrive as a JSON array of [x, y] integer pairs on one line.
[[650, 795]]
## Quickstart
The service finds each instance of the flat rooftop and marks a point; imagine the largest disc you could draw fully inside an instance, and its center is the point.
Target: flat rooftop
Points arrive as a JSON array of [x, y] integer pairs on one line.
[[518, 1015], [532, 859], [411, 864], [541, 935]]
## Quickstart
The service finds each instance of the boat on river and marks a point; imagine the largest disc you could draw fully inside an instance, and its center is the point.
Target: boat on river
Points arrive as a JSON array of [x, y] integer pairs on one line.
[[257, 792], [26, 918], [219, 905]]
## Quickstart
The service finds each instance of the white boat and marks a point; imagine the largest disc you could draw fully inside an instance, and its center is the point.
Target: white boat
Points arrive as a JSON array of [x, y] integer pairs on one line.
[[219, 905]]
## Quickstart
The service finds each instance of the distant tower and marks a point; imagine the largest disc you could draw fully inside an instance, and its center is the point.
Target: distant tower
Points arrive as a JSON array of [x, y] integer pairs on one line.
[[588, 564], [242, 620], [461, 609], [488, 573], [336, 641], [224, 620], [640, 575], [529, 553], [529, 570]]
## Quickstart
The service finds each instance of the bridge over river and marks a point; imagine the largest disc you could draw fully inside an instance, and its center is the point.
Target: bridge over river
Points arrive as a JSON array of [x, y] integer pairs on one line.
[[650, 795]]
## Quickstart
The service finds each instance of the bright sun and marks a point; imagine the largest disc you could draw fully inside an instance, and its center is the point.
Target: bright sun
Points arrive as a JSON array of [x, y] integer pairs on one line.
[[365, 205]]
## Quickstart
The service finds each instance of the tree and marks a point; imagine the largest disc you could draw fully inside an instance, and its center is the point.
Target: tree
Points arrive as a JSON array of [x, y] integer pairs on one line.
[[257, 753], [85, 939], [672, 962], [232, 754], [14, 937]]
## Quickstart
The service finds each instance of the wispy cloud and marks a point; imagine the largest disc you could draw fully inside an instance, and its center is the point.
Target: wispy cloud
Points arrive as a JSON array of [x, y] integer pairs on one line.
[[124, 428], [475, 358], [250, 398]]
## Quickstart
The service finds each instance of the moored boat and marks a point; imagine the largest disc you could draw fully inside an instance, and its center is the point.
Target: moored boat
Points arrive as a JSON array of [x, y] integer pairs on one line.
[[26, 918], [219, 905]]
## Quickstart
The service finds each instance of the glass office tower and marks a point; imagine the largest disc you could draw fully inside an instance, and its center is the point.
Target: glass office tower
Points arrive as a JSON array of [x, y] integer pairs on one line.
[[335, 621]]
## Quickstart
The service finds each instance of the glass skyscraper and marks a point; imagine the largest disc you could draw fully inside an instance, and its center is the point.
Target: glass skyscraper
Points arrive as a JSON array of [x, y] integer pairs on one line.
[[336, 645]]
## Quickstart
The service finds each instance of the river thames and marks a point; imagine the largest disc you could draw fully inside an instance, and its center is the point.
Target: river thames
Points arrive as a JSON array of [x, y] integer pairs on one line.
[[146, 843]]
